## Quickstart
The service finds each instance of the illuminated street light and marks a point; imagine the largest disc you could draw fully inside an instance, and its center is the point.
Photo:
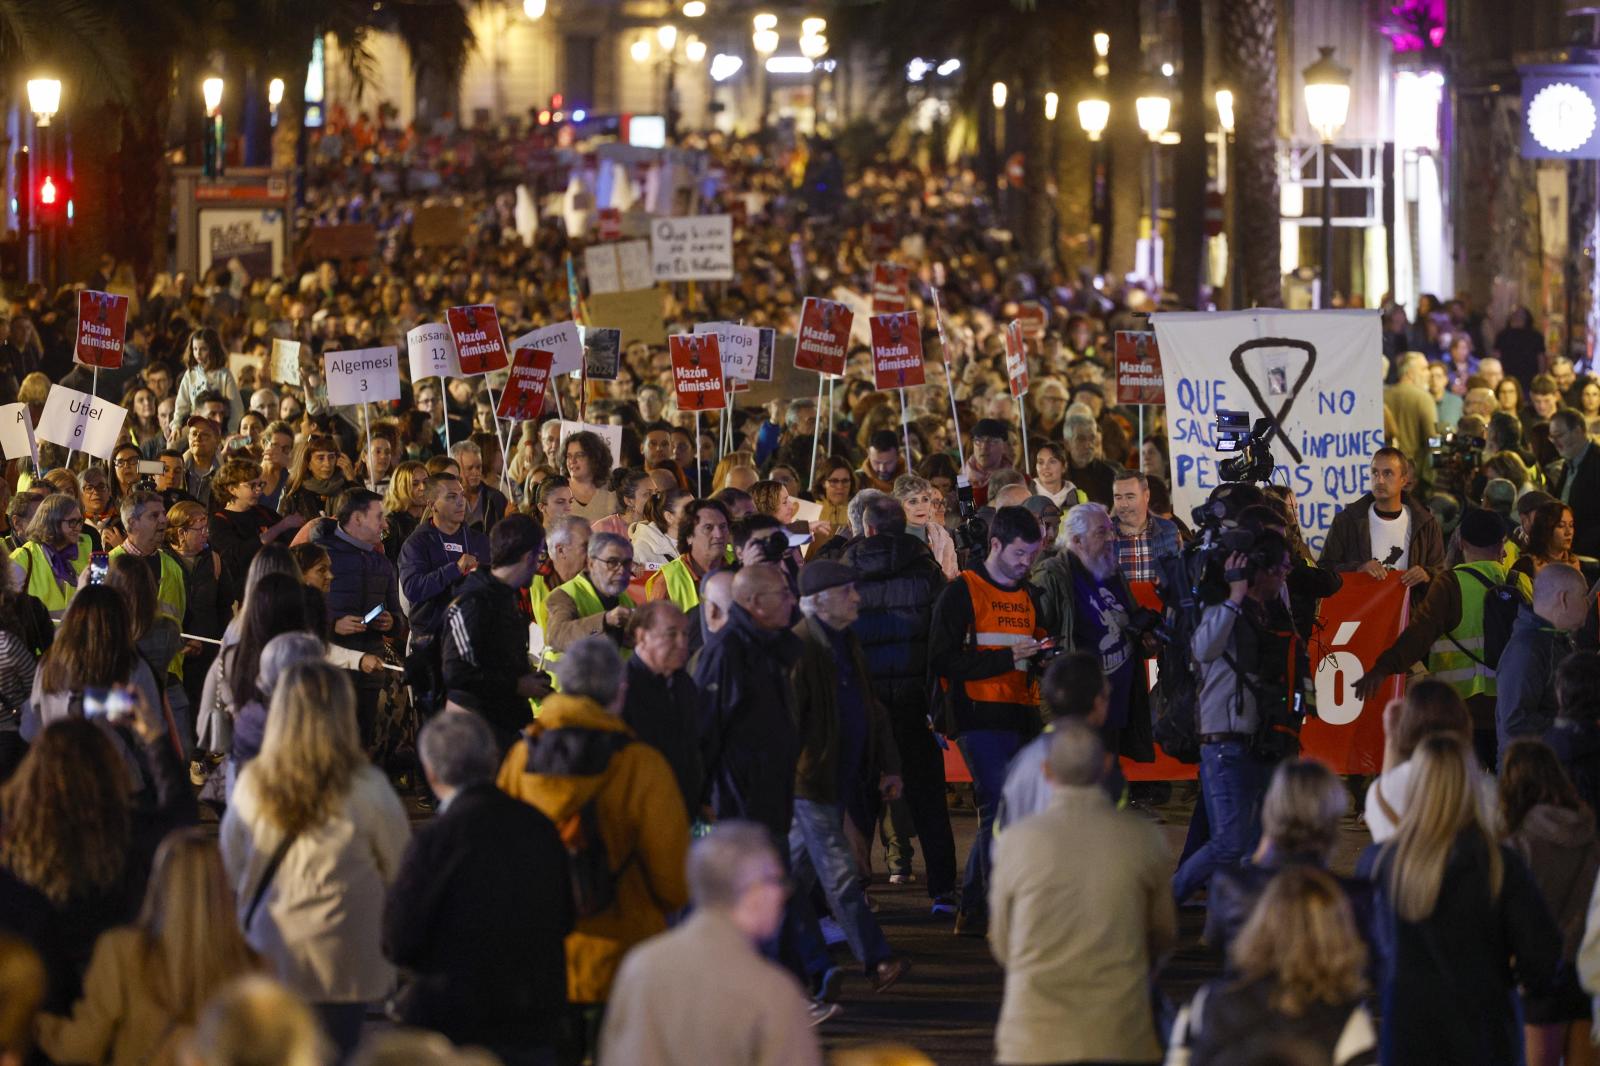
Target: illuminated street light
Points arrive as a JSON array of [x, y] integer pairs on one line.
[[534, 9], [640, 50], [813, 27], [44, 99], [1225, 109], [1051, 103], [211, 91], [765, 21], [765, 41], [998, 95], [1154, 111], [724, 66], [1094, 115], [694, 49], [1102, 44], [813, 46], [667, 37], [1327, 94], [694, 9]]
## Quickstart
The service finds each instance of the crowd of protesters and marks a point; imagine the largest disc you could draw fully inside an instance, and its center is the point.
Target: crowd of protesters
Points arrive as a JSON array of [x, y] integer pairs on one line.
[[571, 753]]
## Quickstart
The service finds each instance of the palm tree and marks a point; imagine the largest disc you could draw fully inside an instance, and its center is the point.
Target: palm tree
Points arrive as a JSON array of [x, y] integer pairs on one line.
[[1250, 60]]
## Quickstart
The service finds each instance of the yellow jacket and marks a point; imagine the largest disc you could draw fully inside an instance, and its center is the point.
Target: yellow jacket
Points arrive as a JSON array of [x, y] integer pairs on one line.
[[641, 817]]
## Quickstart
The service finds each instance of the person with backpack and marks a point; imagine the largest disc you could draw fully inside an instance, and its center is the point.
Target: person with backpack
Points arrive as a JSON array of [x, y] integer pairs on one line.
[[1461, 626], [1525, 697], [616, 804]]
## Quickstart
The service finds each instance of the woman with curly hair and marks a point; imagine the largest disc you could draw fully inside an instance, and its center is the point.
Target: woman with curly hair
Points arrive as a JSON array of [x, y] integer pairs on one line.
[[147, 981], [586, 462], [634, 490], [314, 820]]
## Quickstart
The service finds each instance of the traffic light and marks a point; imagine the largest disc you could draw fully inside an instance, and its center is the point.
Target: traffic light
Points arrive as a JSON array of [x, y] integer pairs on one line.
[[50, 199]]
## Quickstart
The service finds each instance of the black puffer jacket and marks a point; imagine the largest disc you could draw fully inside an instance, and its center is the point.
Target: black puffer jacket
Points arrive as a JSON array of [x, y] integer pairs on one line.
[[1577, 744], [899, 582], [362, 579]]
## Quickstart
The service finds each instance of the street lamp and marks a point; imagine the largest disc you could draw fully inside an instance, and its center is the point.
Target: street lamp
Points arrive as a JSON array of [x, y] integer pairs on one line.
[[813, 27], [997, 93], [534, 9], [813, 46], [694, 49], [44, 99], [1327, 93], [211, 93], [274, 98], [764, 41], [1094, 115], [1225, 109], [1052, 102], [1154, 109], [667, 36], [639, 50], [765, 21], [1102, 49], [694, 9]]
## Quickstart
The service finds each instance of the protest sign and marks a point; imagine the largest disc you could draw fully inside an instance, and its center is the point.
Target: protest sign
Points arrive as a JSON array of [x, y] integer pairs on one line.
[[897, 350], [891, 288], [1016, 358], [1138, 362], [764, 352], [610, 223], [692, 248], [1315, 373], [618, 267], [438, 226], [363, 375], [16, 433], [788, 381], [239, 362], [431, 352], [602, 354], [697, 371], [612, 435], [523, 397], [480, 346], [1034, 318], [349, 240], [80, 422], [637, 313], [880, 238], [561, 340], [285, 361], [739, 346], [102, 327], [824, 336]]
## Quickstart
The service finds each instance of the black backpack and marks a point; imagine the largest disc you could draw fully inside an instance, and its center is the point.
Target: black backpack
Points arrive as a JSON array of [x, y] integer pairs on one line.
[[1500, 603], [594, 882]]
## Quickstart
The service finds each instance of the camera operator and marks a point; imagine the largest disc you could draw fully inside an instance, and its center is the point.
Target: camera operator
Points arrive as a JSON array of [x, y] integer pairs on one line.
[[1386, 530], [985, 629], [761, 538], [1242, 646], [1085, 603]]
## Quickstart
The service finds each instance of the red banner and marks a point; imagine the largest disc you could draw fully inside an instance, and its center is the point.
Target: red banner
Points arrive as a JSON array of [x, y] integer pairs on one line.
[[880, 238], [697, 371], [896, 350], [480, 347], [1354, 626], [102, 327], [610, 223], [1139, 379], [1016, 358], [1034, 319], [824, 336], [891, 288], [523, 398]]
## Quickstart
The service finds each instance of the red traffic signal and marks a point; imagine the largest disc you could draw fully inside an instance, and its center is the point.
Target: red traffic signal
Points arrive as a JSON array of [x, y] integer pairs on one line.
[[52, 199], [47, 191]]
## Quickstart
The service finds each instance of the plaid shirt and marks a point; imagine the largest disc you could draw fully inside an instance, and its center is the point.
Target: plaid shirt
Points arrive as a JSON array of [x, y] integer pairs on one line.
[[1139, 554]]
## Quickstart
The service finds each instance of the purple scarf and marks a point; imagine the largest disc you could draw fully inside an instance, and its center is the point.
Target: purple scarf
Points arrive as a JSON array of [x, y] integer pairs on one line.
[[61, 560]]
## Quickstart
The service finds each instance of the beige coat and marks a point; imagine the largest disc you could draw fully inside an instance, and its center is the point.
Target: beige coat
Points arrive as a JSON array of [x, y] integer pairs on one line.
[[672, 1006], [320, 926], [1080, 909], [118, 1021]]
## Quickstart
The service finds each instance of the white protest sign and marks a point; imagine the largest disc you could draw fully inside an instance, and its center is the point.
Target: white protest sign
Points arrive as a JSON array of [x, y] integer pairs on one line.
[[692, 248], [806, 510], [432, 352], [740, 346], [619, 267], [364, 375], [561, 341], [612, 435], [80, 422], [285, 361], [1317, 374], [16, 433]]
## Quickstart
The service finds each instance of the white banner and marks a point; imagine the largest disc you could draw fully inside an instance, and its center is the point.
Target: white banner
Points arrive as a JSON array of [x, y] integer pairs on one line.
[[364, 375], [432, 352], [561, 341], [16, 433], [622, 266], [692, 248], [285, 361], [1318, 374], [80, 422], [740, 346]]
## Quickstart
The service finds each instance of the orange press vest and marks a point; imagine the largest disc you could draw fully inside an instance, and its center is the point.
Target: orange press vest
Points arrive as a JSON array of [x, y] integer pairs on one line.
[[1001, 618]]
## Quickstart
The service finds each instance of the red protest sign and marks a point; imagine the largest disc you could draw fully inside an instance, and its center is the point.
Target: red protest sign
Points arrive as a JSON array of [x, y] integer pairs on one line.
[[697, 371], [896, 350], [102, 327], [1138, 361], [891, 288], [480, 347], [1016, 358], [610, 223], [824, 336], [523, 398], [880, 238], [1034, 318]]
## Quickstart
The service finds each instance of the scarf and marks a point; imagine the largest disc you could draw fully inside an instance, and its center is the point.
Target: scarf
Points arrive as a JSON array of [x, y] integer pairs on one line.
[[61, 560], [331, 486]]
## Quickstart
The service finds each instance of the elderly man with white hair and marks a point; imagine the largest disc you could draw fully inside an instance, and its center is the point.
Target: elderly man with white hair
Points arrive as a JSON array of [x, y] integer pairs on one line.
[[1086, 604]]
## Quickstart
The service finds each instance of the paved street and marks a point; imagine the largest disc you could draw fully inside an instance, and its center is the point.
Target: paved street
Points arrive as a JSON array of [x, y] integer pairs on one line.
[[947, 1006]]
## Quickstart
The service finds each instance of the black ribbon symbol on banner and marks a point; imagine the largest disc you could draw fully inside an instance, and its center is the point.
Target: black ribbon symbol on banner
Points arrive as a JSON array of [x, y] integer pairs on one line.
[[1236, 360]]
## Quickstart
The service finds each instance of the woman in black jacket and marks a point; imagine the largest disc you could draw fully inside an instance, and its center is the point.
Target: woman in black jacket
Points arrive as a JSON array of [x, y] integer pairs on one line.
[[239, 524], [318, 477], [1465, 920]]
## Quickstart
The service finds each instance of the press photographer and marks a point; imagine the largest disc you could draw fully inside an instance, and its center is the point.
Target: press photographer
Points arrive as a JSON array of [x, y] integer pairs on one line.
[[1253, 681]]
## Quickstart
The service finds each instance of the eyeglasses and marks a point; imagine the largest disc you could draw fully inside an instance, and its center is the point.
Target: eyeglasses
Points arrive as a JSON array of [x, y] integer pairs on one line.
[[74, 520], [620, 562], [195, 527], [124, 464], [837, 481]]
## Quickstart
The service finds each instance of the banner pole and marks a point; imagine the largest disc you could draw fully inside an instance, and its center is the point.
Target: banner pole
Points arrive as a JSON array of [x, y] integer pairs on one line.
[[1142, 470], [505, 455], [1022, 420], [905, 427], [366, 433], [949, 381], [444, 407], [815, 440], [699, 467], [830, 415], [94, 391]]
